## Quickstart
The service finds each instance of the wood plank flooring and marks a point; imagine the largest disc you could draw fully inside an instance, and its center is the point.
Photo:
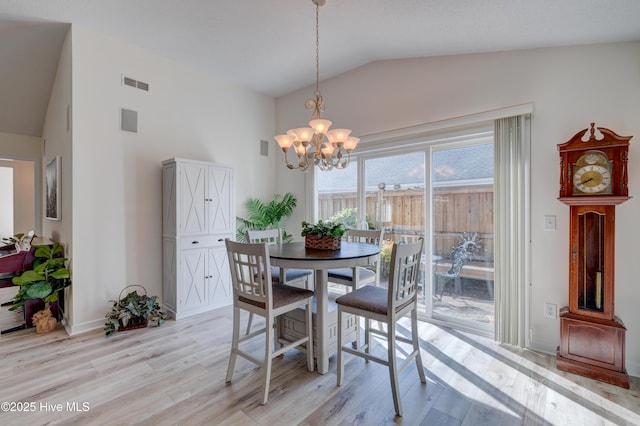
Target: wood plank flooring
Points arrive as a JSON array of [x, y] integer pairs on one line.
[[175, 374]]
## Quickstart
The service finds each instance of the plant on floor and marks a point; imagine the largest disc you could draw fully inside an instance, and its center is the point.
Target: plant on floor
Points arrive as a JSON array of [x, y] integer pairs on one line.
[[134, 311], [269, 215], [48, 276]]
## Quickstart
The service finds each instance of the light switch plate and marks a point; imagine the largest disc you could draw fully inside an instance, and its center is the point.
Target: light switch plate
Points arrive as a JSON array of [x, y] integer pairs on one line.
[[549, 223]]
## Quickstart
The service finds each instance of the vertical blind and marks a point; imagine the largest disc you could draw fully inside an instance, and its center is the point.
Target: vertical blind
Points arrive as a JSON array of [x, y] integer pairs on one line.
[[512, 145]]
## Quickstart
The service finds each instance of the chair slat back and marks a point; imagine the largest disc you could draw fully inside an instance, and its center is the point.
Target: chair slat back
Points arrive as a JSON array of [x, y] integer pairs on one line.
[[247, 262], [369, 236], [405, 273], [269, 236]]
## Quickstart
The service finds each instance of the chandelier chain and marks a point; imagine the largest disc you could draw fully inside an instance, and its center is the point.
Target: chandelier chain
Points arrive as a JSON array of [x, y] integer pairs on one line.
[[317, 50]]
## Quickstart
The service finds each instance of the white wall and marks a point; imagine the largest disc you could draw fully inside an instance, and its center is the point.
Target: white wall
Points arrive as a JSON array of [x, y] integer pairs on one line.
[[117, 185], [57, 138], [21, 218], [24, 196], [570, 87], [27, 150], [20, 147]]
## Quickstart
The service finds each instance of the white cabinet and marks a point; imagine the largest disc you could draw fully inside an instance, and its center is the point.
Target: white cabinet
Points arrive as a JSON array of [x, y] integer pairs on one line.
[[198, 214]]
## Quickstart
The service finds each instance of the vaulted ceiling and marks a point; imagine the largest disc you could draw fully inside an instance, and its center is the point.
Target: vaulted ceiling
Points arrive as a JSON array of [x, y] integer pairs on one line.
[[269, 45]]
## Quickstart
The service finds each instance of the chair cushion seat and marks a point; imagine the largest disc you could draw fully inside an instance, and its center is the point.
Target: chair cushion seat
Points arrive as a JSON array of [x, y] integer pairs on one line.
[[369, 298], [290, 274], [346, 274], [282, 296]]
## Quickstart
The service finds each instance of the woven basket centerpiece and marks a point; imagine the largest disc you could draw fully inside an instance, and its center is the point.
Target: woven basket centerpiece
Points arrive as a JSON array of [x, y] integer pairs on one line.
[[312, 241], [322, 235]]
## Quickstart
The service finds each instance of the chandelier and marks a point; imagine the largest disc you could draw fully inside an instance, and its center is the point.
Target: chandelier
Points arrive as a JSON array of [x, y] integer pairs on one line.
[[316, 144]]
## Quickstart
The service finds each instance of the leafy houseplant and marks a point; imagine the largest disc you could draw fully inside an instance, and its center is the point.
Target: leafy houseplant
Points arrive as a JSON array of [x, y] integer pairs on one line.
[[16, 239], [45, 280], [134, 311], [269, 215], [323, 235]]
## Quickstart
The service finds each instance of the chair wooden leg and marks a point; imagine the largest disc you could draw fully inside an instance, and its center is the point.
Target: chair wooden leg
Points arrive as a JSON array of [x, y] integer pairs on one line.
[[393, 368], [310, 334], [416, 344], [268, 360], [340, 367], [234, 344], [367, 337], [249, 323]]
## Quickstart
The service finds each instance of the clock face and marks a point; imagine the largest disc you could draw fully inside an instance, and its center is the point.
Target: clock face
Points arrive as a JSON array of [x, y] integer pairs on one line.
[[592, 174], [592, 179]]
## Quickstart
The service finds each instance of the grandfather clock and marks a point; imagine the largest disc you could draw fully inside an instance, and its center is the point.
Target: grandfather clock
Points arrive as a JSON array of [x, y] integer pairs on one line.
[[593, 181]]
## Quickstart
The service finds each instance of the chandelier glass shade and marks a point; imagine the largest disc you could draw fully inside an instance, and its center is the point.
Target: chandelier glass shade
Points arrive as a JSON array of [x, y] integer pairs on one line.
[[316, 144]]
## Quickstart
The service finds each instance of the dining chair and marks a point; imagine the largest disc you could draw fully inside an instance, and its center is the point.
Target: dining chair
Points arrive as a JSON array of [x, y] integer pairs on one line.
[[387, 306], [254, 291], [291, 276], [358, 276]]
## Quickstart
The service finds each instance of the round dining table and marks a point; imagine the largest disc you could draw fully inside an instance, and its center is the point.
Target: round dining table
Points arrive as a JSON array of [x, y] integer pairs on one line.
[[295, 255]]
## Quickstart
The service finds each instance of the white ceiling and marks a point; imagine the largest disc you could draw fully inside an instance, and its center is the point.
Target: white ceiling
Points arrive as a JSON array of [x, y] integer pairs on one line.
[[269, 45]]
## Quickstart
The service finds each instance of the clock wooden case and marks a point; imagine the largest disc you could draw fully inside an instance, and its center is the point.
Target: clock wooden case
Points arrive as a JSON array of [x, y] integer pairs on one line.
[[593, 181], [594, 170]]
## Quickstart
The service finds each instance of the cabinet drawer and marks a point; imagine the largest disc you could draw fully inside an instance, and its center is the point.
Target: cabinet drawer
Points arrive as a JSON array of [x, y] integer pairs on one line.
[[202, 241]]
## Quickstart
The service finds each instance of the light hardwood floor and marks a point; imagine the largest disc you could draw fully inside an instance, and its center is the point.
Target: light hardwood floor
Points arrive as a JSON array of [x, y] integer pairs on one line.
[[174, 374]]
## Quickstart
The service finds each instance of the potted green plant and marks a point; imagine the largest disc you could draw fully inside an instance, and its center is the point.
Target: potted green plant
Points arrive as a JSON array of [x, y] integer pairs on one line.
[[323, 235], [44, 282], [269, 215], [134, 311]]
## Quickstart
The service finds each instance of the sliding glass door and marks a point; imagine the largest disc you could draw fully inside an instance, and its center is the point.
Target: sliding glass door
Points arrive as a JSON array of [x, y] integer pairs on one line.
[[441, 191], [462, 233], [395, 201]]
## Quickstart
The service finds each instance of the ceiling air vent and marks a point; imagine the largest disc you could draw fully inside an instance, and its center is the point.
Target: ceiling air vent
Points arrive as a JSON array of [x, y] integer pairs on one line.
[[128, 81], [143, 86]]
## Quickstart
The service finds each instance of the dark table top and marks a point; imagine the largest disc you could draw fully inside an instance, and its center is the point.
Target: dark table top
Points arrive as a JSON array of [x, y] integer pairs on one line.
[[298, 251]]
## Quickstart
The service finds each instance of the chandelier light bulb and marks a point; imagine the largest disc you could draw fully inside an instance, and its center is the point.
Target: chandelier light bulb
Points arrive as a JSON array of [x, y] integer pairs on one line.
[[285, 141], [300, 148], [338, 135], [320, 126], [302, 134], [327, 149], [351, 143]]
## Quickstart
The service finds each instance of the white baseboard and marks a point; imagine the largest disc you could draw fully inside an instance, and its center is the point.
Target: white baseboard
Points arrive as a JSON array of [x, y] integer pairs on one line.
[[74, 329]]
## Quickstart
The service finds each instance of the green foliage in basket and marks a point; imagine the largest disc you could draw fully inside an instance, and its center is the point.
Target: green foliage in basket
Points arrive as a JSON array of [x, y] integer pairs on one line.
[[131, 307], [321, 229]]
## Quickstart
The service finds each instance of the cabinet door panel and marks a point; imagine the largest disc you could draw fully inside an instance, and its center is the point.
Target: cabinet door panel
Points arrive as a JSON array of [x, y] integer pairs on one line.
[[169, 204], [192, 199], [220, 196], [193, 288], [219, 277]]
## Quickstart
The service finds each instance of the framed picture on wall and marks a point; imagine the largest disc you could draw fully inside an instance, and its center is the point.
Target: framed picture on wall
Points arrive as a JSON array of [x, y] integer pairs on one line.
[[52, 182]]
